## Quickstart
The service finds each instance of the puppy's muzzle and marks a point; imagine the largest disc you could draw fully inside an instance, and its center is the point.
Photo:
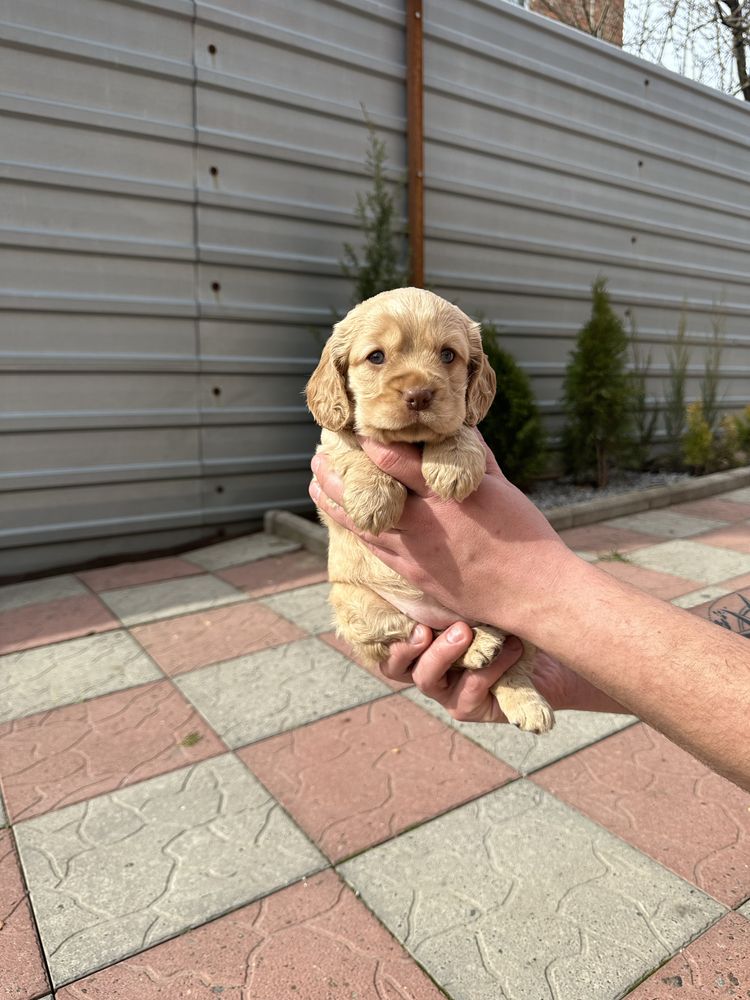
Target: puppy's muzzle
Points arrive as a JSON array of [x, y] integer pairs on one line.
[[418, 399]]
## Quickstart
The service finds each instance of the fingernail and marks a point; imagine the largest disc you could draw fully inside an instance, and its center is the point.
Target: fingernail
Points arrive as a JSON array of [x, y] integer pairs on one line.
[[315, 464], [455, 634], [418, 635]]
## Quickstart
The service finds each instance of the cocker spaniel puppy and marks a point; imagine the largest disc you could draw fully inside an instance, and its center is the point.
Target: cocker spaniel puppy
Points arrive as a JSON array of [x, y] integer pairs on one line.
[[406, 365]]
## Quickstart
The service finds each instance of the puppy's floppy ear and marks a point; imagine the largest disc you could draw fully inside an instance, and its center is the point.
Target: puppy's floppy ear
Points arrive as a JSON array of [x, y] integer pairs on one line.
[[326, 394], [480, 390]]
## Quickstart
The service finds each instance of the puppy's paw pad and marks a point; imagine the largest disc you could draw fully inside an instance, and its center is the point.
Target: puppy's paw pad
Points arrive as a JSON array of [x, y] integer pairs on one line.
[[532, 715]]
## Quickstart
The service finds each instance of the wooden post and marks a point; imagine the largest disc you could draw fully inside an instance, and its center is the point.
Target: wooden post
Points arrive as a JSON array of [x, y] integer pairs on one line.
[[415, 140]]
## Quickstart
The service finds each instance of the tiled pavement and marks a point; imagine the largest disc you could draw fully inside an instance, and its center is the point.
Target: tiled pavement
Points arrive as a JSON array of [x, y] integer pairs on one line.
[[207, 797]]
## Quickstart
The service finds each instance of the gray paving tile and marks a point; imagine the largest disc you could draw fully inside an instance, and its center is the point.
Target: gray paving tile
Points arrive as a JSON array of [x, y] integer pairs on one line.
[[517, 895], [307, 607], [745, 909], [3, 816], [696, 597], [134, 605], [114, 875], [526, 752], [19, 595], [666, 523], [739, 496], [254, 696], [692, 560], [240, 550], [65, 672]]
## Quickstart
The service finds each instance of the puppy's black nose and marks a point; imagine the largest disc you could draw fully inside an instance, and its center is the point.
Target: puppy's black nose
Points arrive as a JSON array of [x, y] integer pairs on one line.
[[418, 399]]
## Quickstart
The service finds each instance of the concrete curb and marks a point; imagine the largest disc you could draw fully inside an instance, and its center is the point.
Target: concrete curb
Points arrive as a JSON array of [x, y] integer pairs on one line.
[[314, 536]]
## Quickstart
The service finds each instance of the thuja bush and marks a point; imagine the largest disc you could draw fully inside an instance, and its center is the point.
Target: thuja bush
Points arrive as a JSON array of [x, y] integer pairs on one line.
[[597, 394], [512, 428]]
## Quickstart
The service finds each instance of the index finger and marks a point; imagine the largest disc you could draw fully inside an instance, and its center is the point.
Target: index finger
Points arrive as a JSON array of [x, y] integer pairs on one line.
[[402, 461]]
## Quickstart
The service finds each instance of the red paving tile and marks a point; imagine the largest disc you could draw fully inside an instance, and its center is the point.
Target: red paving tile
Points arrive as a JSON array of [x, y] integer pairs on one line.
[[735, 536], [131, 574], [604, 538], [73, 753], [271, 576], [664, 802], [663, 585], [359, 777], [716, 965], [717, 510], [22, 974], [54, 621], [343, 647], [213, 635], [313, 940]]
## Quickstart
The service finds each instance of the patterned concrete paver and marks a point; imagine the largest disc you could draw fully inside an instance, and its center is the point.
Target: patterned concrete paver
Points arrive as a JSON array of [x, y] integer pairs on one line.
[[692, 560], [125, 870], [268, 692], [74, 753], [604, 538], [343, 647], [135, 573], [135, 605], [19, 595], [735, 536], [307, 607], [665, 523], [664, 585], [357, 778], [37, 679], [240, 550], [696, 597], [745, 909], [22, 975], [666, 803], [182, 644], [518, 893], [272, 576], [716, 965], [719, 509], [35, 625], [527, 752], [313, 940]]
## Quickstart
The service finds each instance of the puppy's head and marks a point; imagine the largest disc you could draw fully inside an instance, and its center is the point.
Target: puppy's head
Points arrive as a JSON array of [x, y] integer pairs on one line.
[[404, 365]]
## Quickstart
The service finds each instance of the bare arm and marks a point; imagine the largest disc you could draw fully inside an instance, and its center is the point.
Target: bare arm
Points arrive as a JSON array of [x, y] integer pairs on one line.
[[494, 557]]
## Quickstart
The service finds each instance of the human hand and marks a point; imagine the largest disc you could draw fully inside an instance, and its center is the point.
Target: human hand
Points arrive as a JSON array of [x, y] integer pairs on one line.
[[492, 558], [466, 694]]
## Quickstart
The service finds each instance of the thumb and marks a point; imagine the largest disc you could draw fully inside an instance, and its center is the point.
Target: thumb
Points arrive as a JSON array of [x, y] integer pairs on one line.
[[402, 461]]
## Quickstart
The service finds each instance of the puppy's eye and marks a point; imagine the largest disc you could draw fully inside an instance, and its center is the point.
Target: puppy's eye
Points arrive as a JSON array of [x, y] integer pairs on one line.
[[447, 355], [376, 358]]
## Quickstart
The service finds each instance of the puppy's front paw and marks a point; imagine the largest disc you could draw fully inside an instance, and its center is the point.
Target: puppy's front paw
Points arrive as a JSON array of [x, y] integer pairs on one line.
[[532, 715], [486, 646], [451, 482], [377, 508]]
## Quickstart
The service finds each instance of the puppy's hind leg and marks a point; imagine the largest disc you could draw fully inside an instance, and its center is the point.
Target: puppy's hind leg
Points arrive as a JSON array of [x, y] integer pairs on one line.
[[519, 700], [368, 622]]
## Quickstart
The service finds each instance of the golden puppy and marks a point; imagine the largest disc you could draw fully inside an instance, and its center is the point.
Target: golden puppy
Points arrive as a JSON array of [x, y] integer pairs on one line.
[[406, 366]]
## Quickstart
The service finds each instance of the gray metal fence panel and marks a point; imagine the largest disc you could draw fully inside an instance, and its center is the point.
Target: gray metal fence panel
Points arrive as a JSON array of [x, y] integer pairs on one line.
[[177, 180]]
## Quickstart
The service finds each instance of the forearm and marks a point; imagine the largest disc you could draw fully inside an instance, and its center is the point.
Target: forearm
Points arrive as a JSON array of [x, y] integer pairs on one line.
[[687, 678]]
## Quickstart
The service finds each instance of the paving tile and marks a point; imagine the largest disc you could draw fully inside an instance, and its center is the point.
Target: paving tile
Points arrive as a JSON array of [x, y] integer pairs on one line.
[[240, 550], [517, 895], [696, 597], [313, 940], [64, 618], [118, 873], [745, 910], [57, 758], [738, 496], [731, 611], [307, 607], [37, 679], [716, 508], [266, 693], [526, 752], [3, 815], [716, 965], [170, 598], [664, 585], [665, 522], [216, 634], [23, 976], [734, 536], [130, 574], [272, 576], [692, 560], [604, 538], [360, 777], [664, 802], [19, 595], [343, 647]]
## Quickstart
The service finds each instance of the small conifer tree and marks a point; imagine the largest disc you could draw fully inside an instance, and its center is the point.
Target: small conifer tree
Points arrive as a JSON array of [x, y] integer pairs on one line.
[[380, 266], [597, 394], [512, 428]]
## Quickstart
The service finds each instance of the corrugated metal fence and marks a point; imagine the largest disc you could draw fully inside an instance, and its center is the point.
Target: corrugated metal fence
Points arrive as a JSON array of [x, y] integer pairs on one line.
[[178, 181]]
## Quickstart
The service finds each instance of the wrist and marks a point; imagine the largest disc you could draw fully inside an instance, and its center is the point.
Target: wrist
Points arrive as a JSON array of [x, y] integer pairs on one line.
[[539, 605]]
